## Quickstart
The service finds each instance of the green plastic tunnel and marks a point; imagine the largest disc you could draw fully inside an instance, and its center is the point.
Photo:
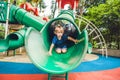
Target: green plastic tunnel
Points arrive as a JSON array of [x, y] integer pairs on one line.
[[37, 49], [13, 41], [21, 16], [37, 45], [16, 39]]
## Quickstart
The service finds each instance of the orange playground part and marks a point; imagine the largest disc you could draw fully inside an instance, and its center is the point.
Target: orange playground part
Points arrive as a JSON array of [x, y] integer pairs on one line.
[[28, 7]]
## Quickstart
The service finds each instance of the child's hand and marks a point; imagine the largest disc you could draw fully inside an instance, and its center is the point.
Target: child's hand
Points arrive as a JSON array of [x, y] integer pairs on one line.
[[77, 41], [50, 53]]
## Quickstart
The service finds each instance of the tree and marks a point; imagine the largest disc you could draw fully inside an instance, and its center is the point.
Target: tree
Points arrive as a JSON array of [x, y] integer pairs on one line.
[[91, 3], [84, 4], [107, 17]]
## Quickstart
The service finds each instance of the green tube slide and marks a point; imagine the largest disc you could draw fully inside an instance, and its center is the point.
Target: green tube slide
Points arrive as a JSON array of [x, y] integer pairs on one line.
[[13, 41], [37, 45], [37, 50], [16, 39], [19, 15]]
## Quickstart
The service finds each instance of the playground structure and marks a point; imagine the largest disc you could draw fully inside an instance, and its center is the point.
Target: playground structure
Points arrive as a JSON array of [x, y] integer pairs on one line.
[[36, 38], [28, 7], [73, 3], [94, 34]]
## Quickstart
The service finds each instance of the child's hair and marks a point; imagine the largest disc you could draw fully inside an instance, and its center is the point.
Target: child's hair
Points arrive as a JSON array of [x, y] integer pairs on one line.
[[59, 28]]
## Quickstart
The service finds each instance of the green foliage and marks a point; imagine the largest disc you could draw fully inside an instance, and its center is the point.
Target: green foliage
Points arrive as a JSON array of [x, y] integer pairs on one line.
[[91, 3], [82, 24], [1, 32], [104, 13], [107, 18]]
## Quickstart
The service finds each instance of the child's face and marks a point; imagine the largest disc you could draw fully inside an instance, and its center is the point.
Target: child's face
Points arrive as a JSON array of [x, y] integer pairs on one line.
[[59, 32]]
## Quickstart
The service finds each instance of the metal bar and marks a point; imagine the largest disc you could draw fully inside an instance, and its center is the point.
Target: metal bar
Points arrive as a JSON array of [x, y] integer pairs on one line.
[[99, 43], [96, 37], [87, 26], [7, 19], [91, 32], [14, 52], [50, 76], [66, 77]]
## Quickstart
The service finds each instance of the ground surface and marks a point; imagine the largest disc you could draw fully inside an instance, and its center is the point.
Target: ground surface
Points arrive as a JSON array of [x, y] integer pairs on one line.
[[93, 67]]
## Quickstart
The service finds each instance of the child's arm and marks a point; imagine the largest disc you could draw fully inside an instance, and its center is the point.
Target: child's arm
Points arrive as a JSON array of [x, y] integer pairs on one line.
[[50, 50], [81, 40], [75, 40], [72, 39]]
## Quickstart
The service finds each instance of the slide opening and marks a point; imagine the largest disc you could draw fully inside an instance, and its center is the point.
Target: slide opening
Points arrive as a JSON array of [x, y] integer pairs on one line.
[[70, 29], [16, 40], [13, 37]]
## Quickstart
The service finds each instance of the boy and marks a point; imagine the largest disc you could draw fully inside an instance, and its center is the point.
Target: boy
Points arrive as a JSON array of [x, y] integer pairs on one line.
[[59, 40]]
